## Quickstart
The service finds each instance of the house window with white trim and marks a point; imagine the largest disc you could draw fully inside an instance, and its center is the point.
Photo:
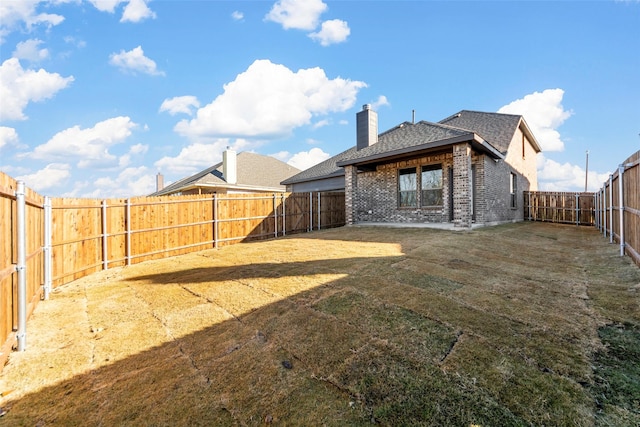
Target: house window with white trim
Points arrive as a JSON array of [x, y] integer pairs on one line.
[[407, 188], [513, 188], [431, 183]]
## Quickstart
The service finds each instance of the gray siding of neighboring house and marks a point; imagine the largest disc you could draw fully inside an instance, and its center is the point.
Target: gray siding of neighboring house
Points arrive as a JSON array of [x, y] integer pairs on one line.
[[335, 183]]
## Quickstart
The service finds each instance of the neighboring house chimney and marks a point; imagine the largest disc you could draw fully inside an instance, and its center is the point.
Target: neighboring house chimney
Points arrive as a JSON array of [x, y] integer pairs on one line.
[[366, 127], [229, 166], [159, 182]]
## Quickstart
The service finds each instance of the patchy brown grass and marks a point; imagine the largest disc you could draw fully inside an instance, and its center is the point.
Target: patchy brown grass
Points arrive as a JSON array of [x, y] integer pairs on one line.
[[524, 324]]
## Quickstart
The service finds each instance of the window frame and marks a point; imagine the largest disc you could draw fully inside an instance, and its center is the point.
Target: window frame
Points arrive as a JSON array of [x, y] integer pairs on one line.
[[440, 197], [513, 190], [403, 172]]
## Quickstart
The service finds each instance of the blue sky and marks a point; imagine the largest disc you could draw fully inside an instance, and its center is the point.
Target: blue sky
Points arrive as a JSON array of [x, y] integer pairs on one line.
[[97, 97]]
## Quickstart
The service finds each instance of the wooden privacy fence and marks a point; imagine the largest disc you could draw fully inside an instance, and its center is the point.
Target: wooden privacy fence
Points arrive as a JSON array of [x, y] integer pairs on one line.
[[560, 207], [618, 207], [47, 242]]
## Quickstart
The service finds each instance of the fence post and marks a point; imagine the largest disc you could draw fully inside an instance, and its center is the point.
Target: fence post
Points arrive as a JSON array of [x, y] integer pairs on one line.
[[621, 202], [47, 247], [21, 266], [105, 235], [610, 208], [284, 215], [310, 211], [577, 209], [128, 230], [275, 214], [319, 218], [215, 220]]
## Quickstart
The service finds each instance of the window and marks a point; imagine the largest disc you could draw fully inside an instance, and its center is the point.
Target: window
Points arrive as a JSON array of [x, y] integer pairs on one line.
[[513, 186], [407, 188], [431, 181]]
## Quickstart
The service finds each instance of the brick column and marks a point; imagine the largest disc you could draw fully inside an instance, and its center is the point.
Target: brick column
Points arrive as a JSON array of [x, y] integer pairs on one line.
[[461, 188], [350, 189]]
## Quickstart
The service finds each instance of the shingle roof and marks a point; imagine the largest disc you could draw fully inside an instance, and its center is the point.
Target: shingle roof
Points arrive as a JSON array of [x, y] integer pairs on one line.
[[326, 169], [253, 171], [407, 135], [491, 132], [496, 128]]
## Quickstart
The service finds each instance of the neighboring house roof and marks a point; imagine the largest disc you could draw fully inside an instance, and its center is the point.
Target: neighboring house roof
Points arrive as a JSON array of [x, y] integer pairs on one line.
[[490, 133], [254, 172], [326, 169]]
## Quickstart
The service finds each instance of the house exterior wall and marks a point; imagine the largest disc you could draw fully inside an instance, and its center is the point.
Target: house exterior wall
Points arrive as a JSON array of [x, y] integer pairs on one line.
[[374, 195], [523, 158], [497, 192]]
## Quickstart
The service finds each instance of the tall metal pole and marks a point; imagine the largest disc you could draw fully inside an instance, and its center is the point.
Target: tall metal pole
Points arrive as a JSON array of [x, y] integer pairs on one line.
[[21, 267], [586, 173]]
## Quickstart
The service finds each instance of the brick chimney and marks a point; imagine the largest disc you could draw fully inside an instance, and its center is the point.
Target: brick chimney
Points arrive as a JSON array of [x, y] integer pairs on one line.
[[159, 182], [229, 166], [366, 127]]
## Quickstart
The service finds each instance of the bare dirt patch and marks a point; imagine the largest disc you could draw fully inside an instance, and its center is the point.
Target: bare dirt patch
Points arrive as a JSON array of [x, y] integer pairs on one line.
[[350, 326]]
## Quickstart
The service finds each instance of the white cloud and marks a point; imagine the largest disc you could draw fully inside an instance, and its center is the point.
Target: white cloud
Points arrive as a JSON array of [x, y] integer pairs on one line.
[[544, 113], [139, 149], [237, 15], [321, 123], [53, 175], [297, 14], [90, 146], [8, 136], [180, 104], [136, 11], [134, 61], [331, 32], [270, 100], [192, 158], [106, 5], [554, 176], [305, 159], [30, 50], [15, 13], [131, 182], [381, 101], [18, 87]]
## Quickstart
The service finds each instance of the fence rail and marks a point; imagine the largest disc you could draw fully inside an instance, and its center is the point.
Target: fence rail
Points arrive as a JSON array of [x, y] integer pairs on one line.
[[618, 207], [66, 239], [560, 207]]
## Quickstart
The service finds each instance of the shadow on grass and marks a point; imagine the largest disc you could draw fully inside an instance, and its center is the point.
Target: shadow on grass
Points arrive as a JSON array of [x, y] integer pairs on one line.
[[381, 344]]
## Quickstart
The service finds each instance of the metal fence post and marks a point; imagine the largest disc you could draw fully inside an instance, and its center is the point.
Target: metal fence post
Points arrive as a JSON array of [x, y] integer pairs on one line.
[[310, 211], [611, 208], [128, 230], [47, 247], [577, 209], [621, 202], [105, 235], [215, 220], [21, 266], [319, 218], [284, 215], [275, 214]]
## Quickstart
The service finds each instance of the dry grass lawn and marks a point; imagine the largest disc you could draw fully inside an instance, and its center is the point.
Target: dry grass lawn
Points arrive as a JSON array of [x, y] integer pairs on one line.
[[523, 324]]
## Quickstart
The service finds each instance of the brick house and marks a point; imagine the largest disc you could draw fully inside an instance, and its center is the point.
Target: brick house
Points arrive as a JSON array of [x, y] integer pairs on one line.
[[471, 167]]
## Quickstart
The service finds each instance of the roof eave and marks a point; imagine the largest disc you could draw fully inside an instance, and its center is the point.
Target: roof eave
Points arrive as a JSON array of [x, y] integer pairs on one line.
[[532, 138], [476, 141]]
